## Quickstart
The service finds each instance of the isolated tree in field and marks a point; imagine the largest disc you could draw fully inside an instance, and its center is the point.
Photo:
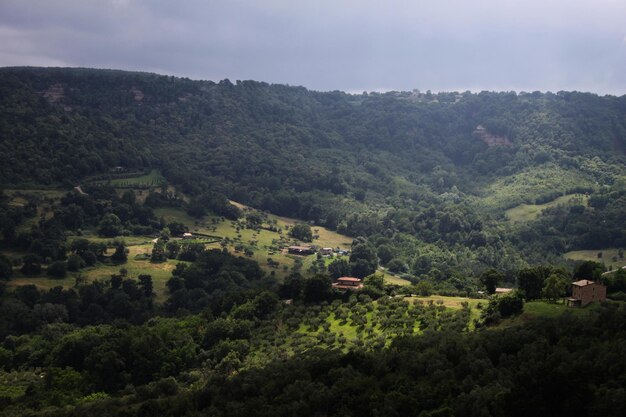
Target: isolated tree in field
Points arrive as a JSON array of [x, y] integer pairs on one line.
[[491, 279], [120, 255], [158, 252], [301, 231]]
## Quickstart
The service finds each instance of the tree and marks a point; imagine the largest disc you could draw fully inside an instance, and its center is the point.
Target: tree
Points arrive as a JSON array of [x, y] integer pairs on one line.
[[176, 228], [172, 248], [385, 253], [121, 254], [75, 262], [317, 288], [490, 279], [57, 269], [374, 285], [292, 286], [110, 226], [531, 281], [158, 252], [339, 268], [31, 265], [301, 231], [588, 270], [555, 287], [363, 260], [424, 288], [146, 285], [397, 265]]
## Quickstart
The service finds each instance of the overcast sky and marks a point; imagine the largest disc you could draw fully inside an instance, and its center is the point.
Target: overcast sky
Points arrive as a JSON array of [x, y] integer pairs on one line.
[[350, 45]]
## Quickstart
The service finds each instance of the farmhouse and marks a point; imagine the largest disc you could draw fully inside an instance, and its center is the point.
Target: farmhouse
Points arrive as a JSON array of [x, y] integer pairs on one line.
[[585, 292], [503, 290], [300, 250], [187, 235], [348, 283]]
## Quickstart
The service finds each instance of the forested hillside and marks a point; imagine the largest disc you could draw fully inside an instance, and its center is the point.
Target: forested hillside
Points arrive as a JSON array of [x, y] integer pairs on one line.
[[429, 175]]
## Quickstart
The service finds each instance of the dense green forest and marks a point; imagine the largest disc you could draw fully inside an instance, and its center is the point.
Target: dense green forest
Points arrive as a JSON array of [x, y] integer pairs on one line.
[[428, 174], [110, 306]]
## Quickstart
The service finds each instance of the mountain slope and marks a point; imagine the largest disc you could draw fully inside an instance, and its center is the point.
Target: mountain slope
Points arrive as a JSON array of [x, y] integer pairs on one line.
[[441, 168]]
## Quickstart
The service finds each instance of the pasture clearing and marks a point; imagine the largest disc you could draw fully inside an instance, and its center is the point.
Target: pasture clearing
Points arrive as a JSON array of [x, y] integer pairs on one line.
[[610, 257], [529, 212]]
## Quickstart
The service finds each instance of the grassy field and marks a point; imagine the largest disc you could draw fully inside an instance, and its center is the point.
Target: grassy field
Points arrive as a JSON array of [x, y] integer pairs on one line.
[[529, 212], [542, 309], [160, 272], [455, 303], [263, 243], [527, 186], [392, 279], [610, 257]]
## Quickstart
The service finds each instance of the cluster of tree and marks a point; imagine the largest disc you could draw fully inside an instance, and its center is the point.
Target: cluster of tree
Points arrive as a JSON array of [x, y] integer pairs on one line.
[[27, 308]]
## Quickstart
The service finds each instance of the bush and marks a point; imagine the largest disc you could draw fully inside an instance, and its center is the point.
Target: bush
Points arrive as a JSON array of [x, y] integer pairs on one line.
[[301, 231], [75, 262], [57, 269]]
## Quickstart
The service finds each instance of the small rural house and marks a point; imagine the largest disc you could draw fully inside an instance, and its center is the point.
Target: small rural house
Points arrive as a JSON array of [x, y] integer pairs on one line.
[[503, 290], [348, 283], [187, 235], [326, 251], [300, 250], [585, 292]]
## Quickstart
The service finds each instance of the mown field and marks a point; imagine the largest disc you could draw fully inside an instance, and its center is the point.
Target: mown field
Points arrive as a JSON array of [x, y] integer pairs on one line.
[[610, 257], [542, 309], [529, 212]]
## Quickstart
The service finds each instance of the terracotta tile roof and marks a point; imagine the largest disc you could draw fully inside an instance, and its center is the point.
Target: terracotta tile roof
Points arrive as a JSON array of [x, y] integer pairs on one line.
[[582, 283]]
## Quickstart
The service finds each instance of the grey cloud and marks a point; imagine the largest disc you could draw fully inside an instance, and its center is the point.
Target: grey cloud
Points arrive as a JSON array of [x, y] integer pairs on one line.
[[349, 45]]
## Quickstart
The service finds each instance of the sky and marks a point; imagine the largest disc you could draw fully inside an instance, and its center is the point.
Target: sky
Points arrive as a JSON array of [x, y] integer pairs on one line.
[[349, 45]]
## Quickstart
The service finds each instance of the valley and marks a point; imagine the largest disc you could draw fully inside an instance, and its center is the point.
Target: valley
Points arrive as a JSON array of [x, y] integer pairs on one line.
[[180, 247]]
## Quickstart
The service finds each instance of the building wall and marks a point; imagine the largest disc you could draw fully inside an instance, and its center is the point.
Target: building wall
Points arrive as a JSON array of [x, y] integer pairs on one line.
[[589, 293]]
